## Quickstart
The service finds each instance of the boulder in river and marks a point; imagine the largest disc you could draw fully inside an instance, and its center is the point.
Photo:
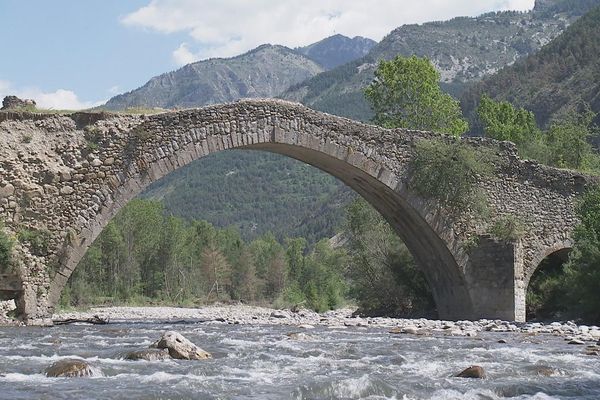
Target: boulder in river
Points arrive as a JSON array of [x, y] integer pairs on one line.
[[544, 370], [69, 368], [148, 355], [474, 371], [179, 347], [301, 336]]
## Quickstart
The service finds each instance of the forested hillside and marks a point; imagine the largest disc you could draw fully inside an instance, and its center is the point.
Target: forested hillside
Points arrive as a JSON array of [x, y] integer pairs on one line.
[[463, 50], [256, 192], [561, 77]]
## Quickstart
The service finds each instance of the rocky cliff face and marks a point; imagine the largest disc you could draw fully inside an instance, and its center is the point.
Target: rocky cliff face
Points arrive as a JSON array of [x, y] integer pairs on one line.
[[558, 79], [263, 72], [337, 50], [463, 49]]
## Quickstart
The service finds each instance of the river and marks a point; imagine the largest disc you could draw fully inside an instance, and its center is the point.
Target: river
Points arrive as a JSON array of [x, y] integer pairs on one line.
[[263, 362]]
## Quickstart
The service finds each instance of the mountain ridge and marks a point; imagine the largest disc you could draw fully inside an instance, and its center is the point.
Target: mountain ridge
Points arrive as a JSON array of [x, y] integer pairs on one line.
[[463, 49]]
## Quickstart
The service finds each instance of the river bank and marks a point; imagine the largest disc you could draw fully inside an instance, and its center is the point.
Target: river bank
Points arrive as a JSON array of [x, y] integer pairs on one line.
[[338, 319]]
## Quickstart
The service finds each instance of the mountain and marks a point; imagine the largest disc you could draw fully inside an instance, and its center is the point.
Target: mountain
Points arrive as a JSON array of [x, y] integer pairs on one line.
[[337, 50], [256, 192], [263, 72], [463, 49], [565, 73]]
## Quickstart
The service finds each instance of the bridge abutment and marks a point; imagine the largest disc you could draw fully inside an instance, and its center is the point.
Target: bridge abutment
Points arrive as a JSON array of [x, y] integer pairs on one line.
[[494, 276]]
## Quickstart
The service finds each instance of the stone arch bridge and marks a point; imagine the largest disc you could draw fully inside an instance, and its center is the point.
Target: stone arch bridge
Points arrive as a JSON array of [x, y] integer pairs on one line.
[[65, 176]]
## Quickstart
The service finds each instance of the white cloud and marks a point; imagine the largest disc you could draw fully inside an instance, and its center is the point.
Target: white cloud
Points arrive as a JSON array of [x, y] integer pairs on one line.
[[224, 28], [182, 55], [60, 99]]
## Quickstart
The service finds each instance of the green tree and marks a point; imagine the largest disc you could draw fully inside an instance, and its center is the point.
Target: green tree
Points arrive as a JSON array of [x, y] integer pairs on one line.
[[406, 94], [502, 121], [568, 141], [383, 276], [216, 271], [583, 267]]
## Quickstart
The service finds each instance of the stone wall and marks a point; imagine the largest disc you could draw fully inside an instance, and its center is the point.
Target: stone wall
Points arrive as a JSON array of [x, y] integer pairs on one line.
[[66, 176]]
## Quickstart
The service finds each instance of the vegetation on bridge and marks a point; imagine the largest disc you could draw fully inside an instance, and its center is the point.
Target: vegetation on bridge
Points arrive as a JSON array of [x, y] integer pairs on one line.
[[6, 244]]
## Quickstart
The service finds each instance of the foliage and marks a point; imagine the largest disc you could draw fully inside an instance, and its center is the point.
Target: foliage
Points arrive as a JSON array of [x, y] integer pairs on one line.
[[502, 121], [566, 144], [583, 267], [568, 141], [384, 278], [449, 172], [6, 245], [571, 290], [508, 228], [546, 296], [37, 239], [144, 255], [406, 94], [553, 81]]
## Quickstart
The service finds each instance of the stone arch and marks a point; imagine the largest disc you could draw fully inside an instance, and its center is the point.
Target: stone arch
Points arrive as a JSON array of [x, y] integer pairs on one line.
[[559, 250], [357, 154]]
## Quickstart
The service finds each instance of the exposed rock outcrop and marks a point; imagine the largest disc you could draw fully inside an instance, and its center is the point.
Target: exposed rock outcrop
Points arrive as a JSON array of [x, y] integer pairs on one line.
[[15, 103]]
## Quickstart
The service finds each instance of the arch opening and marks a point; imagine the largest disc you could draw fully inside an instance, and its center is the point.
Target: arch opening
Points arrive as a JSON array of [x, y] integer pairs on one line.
[[545, 289], [394, 203]]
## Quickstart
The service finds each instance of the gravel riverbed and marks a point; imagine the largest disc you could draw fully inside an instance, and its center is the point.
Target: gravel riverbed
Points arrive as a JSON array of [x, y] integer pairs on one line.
[[338, 319]]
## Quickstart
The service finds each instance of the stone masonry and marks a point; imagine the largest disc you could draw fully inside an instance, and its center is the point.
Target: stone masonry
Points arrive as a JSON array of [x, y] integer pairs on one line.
[[63, 177]]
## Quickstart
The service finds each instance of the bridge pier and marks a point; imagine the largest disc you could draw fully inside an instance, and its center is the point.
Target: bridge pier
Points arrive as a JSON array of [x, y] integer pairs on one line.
[[494, 276]]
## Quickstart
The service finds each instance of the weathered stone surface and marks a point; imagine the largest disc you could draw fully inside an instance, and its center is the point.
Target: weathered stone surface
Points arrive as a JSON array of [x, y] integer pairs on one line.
[[474, 371], [472, 275], [179, 347], [7, 190], [69, 368], [15, 103], [148, 355]]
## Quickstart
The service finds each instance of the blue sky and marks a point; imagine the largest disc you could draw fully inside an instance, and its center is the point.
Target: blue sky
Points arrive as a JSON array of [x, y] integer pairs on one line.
[[76, 53]]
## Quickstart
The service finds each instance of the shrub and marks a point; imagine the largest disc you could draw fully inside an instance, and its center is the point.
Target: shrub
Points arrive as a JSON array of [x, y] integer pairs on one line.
[[6, 245], [449, 173], [508, 228], [37, 239]]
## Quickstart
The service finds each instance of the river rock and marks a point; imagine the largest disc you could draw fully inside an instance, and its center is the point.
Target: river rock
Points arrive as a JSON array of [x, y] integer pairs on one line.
[[543, 370], [69, 368], [576, 341], [301, 336], [474, 371], [179, 347], [278, 314], [148, 355]]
